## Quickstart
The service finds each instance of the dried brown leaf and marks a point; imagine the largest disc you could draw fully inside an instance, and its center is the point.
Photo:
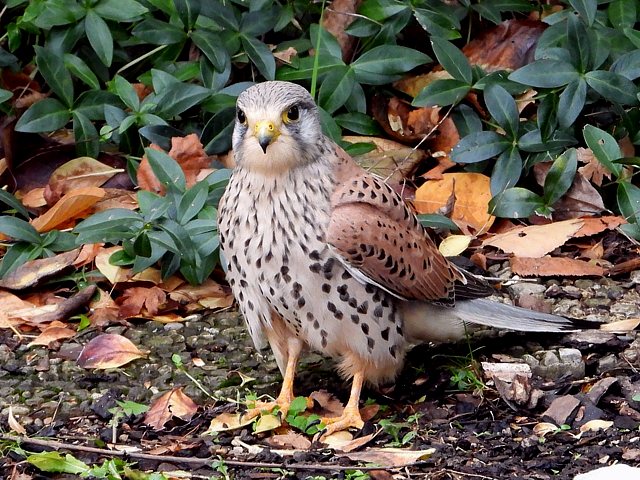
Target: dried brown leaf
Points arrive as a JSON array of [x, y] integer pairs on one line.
[[174, 403], [52, 333], [535, 241], [552, 266], [78, 173], [336, 19], [290, 440], [14, 424], [593, 170], [34, 271], [140, 301], [390, 457], [109, 350]]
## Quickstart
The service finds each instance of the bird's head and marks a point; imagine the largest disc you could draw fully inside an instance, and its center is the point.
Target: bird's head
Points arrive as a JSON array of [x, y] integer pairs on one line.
[[277, 127]]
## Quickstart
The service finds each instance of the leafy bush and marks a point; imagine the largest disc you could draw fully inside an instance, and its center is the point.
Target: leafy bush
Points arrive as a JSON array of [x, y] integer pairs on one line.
[[193, 57]]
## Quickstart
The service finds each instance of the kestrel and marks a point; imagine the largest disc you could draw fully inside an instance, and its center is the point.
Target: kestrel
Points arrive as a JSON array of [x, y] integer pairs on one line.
[[324, 255]]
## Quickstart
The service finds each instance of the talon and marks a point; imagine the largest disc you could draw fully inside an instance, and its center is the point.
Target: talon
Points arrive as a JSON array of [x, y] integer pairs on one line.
[[349, 418]]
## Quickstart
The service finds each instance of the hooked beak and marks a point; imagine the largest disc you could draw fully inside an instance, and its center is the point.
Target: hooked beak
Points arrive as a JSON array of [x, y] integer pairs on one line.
[[266, 132]]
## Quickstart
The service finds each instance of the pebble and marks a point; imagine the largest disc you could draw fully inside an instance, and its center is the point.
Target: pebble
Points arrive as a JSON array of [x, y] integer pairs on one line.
[[561, 409]]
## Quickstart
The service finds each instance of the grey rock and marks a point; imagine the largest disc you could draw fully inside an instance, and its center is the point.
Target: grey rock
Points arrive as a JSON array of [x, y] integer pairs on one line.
[[553, 365], [561, 410], [607, 363]]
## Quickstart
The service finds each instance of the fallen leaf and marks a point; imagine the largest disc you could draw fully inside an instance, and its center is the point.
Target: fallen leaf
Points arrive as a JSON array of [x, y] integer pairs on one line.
[[472, 195], [626, 325], [78, 173], [535, 241], [34, 198], [33, 272], [52, 333], [113, 273], [336, 19], [141, 301], [109, 350], [337, 439], [595, 425], [70, 207], [593, 169], [552, 266], [593, 226], [209, 294], [329, 404], [390, 457], [14, 424], [543, 428], [174, 403], [267, 422], [291, 440], [286, 55], [228, 421], [357, 443], [454, 245], [88, 253]]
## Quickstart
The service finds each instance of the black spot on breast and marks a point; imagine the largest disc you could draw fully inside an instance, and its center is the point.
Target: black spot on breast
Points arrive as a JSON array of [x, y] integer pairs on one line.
[[392, 351], [355, 319], [370, 343], [385, 334], [315, 255], [365, 328], [250, 304], [316, 325], [363, 307], [377, 312], [310, 316], [301, 302], [315, 267], [331, 307], [326, 288], [353, 303]]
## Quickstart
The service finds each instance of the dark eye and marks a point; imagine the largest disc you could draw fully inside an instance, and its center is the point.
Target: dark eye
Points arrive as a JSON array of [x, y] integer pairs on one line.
[[292, 114], [242, 118]]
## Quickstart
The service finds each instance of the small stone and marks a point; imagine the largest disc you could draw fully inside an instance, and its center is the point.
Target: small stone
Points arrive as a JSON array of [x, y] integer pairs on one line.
[[635, 277], [572, 292], [607, 363], [591, 337], [597, 302], [173, 326], [583, 284], [561, 409]]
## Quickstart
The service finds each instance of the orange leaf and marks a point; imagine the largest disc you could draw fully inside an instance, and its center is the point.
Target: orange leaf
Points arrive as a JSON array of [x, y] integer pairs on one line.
[[70, 207], [78, 173], [472, 195], [55, 331], [173, 403], [552, 266], [108, 351], [140, 300]]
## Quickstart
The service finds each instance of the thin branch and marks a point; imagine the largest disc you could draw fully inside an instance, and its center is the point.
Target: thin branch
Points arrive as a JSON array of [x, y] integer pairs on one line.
[[198, 462]]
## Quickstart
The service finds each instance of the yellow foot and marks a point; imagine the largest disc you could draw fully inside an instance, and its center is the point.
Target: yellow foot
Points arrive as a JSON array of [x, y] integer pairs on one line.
[[349, 418]]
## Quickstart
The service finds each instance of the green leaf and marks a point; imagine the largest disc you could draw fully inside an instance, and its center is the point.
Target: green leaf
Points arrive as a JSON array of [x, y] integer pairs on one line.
[[506, 171], [126, 92], [303, 68], [622, 13], [17, 254], [86, 136], [92, 103], [216, 134], [328, 43], [560, 176], [452, 59], [113, 225], [437, 23], [51, 66], [358, 123], [604, 147], [19, 229], [545, 74], [55, 462], [578, 43], [13, 203], [479, 146], [157, 32], [632, 35], [629, 201], [532, 141], [260, 56], [386, 63], [628, 65], [571, 102], [357, 149], [362, 27], [5, 95], [57, 13], [466, 120], [258, 22], [99, 37], [120, 10], [132, 408], [45, 116], [633, 231], [515, 203], [503, 109], [336, 89], [434, 220], [192, 202], [81, 70], [586, 9], [167, 170], [188, 11], [441, 92], [613, 87], [209, 43], [178, 97]]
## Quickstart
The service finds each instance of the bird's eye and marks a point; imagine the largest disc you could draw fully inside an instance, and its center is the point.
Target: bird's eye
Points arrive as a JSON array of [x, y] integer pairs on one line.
[[242, 118], [292, 114]]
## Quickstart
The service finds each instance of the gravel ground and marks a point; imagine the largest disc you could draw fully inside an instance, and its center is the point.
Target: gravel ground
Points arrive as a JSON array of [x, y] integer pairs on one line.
[[474, 434]]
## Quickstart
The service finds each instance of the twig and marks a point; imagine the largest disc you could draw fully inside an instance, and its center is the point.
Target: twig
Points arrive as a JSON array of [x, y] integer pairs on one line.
[[56, 445]]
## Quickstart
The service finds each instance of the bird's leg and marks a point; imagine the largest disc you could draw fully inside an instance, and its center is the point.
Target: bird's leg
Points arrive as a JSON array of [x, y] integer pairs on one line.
[[351, 415], [286, 396]]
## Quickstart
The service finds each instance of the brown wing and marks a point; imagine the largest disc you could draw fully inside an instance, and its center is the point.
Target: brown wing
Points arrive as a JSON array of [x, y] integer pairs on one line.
[[382, 242]]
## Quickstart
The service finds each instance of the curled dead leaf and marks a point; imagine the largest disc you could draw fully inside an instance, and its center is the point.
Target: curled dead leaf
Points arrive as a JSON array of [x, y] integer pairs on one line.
[[33, 272], [544, 428], [228, 421], [174, 403], [14, 424], [52, 333], [596, 425], [70, 207], [552, 266], [391, 457], [109, 350], [454, 245]]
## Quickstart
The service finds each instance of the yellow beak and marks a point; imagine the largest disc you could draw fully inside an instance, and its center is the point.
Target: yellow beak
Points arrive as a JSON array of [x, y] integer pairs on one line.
[[266, 132]]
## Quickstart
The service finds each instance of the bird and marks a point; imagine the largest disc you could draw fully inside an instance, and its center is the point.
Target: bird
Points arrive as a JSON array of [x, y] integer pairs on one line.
[[322, 255]]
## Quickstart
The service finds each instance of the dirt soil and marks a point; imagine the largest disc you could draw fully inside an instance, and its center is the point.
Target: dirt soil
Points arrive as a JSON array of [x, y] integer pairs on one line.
[[485, 432]]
